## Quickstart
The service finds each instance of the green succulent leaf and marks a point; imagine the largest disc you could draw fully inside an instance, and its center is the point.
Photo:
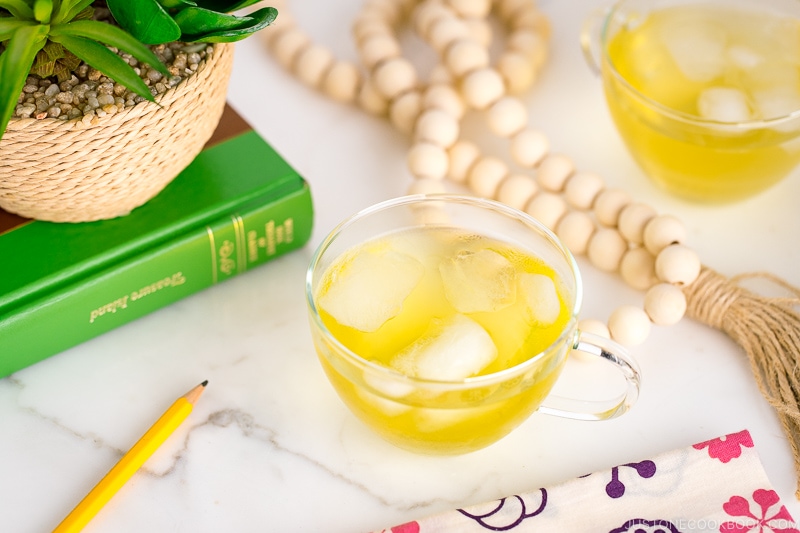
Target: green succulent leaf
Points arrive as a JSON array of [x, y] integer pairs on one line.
[[68, 10], [98, 56], [9, 25], [226, 6], [15, 63], [146, 20], [19, 8], [43, 10], [112, 36], [226, 34], [172, 4], [196, 21]]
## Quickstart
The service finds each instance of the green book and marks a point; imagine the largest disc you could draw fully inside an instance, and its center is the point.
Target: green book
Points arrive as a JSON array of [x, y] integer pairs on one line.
[[237, 205]]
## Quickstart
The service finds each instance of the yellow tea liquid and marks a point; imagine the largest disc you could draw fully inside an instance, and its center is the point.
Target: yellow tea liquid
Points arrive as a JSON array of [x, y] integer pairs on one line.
[[441, 304], [712, 67]]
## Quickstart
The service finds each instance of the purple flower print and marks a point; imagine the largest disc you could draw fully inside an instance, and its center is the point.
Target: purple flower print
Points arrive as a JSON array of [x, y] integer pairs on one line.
[[779, 522], [616, 488], [509, 512], [727, 447]]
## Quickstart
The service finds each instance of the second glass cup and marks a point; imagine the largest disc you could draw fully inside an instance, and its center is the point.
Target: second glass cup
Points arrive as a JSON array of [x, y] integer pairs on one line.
[[705, 94], [443, 322]]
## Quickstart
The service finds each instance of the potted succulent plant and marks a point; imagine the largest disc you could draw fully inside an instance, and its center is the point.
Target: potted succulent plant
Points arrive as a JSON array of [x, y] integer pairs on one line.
[[103, 103]]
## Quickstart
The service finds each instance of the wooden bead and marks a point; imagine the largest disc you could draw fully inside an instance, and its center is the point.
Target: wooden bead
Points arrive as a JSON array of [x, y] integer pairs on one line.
[[575, 229], [582, 188], [629, 325], [606, 248], [404, 111], [661, 231], [370, 100], [508, 8], [465, 56], [638, 268], [529, 147], [480, 31], [507, 117], [677, 264], [608, 205], [366, 27], [438, 127], [427, 186], [486, 174], [632, 220], [269, 35], [342, 81], [595, 327], [377, 49], [533, 20], [394, 77], [531, 45], [427, 14], [388, 10], [426, 160], [445, 32], [517, 72], [462, 155], [665, 304], [470, 8], [481, 88], [547, 208], [288, 45], [312, 64], [517, 190], [444, 97], [554, 171]]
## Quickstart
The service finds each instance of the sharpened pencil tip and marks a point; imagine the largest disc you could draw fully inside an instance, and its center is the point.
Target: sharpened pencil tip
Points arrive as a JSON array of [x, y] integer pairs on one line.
[[204, 383]]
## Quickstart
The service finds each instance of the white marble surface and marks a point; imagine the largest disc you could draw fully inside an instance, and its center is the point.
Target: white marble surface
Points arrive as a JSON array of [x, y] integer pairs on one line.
[[269, 446]]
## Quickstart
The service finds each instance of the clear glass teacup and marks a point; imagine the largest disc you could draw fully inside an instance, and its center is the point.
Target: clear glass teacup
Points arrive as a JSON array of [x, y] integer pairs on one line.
[[443, 322], [705, 94]]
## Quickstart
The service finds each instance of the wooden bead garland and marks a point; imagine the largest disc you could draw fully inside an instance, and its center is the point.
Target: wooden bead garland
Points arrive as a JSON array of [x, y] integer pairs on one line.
[[615, 233], [602, 223]]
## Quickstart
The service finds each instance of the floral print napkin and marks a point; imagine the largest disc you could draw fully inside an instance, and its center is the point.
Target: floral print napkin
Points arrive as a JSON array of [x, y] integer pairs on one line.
[[718, 485]]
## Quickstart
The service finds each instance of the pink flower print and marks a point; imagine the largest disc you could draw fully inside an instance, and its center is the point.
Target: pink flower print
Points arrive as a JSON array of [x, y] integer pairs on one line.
[[410, 527], [727, 447], [780, 522]]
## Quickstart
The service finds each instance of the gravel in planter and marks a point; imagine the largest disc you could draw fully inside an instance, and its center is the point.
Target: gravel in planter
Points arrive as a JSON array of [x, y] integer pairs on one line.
[[89, 95]]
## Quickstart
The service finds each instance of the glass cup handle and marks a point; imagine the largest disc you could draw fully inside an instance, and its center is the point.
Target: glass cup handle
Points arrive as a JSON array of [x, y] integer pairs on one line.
[[612, 353], [590, 37]]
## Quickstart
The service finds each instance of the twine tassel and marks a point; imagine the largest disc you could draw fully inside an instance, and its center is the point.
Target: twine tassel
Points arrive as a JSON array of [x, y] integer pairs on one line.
[[768, 329]]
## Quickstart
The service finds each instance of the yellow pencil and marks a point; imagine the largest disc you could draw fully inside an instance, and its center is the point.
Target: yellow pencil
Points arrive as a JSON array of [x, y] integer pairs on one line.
[[130, 462]]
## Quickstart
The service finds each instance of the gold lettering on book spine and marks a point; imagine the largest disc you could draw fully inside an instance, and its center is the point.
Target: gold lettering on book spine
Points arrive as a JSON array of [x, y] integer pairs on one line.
[[241, 247], [214, 277]]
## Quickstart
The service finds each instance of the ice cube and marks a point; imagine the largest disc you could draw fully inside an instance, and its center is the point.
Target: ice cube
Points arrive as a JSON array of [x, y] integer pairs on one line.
[[696, 46], [724, 104], [543, 304], [476, 281], [451, 349], [743, 57], [371, 288], [386, 406], [777, 102]]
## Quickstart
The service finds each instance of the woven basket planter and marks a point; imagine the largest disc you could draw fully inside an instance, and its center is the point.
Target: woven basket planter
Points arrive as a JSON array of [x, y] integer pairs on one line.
[[67, 171]]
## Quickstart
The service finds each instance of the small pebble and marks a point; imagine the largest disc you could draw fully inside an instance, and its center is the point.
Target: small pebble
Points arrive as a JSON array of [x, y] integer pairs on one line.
[[88, 89]]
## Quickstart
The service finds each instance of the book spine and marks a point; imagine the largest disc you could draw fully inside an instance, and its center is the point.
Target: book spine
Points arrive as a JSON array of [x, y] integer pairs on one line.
[[254, 234]]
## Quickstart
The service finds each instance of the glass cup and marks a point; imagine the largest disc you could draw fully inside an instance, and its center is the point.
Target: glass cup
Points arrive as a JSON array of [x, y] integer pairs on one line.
[[705, 94], [444, 414]]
